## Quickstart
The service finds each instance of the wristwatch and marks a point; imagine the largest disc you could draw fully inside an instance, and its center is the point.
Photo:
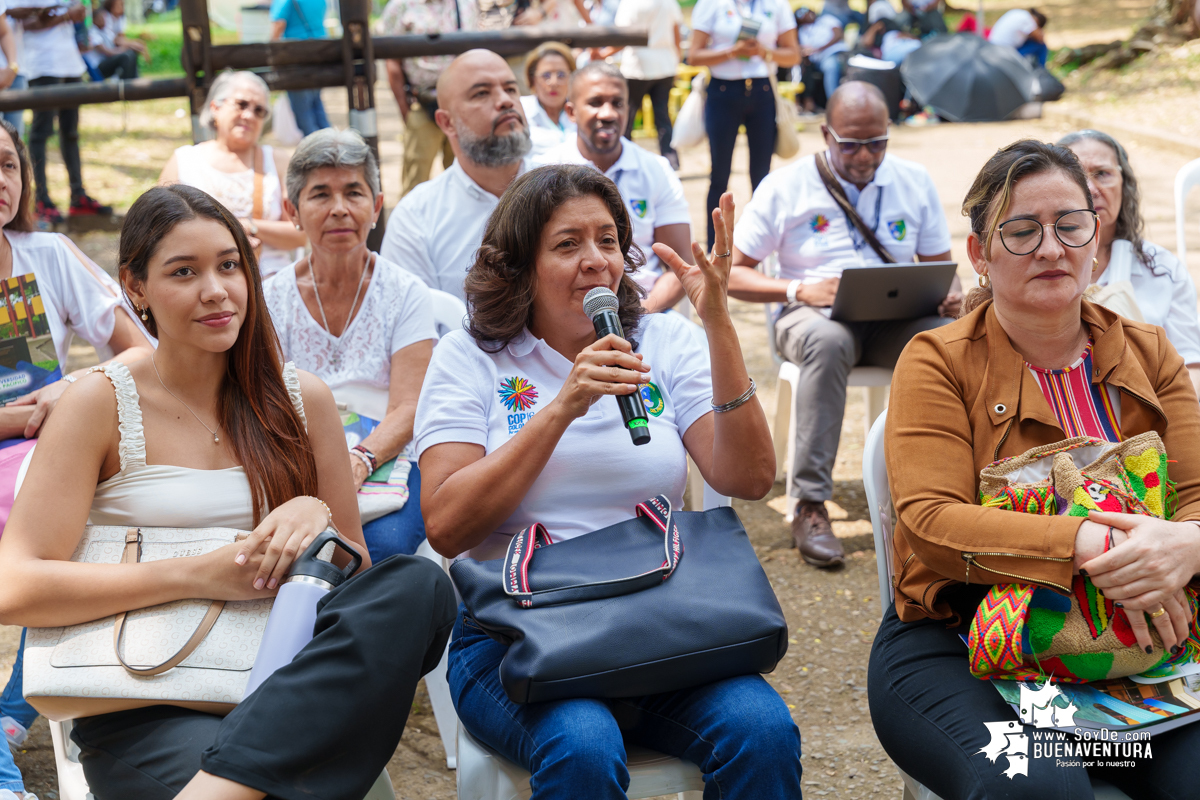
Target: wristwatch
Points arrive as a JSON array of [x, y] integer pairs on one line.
[[792, 288]]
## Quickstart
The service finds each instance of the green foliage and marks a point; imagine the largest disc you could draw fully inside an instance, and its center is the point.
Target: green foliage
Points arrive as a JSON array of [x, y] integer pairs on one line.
[[164, 38]]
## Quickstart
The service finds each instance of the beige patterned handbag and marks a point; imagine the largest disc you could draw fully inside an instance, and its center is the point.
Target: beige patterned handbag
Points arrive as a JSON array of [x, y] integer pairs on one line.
[[191, 653]]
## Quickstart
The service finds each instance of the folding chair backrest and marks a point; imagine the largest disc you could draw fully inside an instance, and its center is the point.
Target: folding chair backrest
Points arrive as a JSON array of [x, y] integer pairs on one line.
[[879, 503]]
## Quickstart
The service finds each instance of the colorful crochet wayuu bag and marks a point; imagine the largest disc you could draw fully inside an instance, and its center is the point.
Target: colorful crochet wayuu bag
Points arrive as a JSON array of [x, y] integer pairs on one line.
[[1022, 631]]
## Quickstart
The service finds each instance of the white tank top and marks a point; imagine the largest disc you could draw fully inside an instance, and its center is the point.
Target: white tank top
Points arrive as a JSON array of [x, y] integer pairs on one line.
[[166, 496], [235, 191]]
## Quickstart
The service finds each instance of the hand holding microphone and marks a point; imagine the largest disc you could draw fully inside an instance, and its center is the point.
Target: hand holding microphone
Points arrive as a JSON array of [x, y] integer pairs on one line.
[[601, 306]]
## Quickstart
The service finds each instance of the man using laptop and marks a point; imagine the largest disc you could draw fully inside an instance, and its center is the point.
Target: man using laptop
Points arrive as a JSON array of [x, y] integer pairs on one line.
[[868, 208]]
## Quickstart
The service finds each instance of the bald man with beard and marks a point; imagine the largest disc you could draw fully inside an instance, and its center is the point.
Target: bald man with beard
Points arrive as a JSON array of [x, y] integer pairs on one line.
[[436, 228], [793, 214]]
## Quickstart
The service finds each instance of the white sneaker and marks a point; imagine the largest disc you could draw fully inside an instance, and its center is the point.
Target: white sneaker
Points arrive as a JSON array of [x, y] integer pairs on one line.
[[14, 732]]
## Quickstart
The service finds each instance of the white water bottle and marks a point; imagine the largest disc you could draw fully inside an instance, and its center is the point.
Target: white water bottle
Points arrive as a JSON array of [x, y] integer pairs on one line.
[[290, 625]]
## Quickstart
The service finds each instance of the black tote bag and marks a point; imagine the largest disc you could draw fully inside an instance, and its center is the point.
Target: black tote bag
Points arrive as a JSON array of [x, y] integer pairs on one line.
[[665, 601]]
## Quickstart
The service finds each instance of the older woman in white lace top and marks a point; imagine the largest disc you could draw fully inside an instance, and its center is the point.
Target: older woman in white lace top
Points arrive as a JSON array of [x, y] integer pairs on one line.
[[360, 323], [241, 174]]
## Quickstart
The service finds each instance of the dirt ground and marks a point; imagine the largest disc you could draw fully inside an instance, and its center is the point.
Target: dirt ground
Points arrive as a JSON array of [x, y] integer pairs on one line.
[[832, 615]]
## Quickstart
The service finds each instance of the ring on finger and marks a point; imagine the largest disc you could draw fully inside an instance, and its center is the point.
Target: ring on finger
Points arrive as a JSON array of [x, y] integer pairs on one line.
[[723, 255], [1159, 613]]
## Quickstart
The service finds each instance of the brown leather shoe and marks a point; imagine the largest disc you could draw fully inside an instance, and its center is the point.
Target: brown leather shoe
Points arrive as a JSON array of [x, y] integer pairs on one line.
[[814, 536]]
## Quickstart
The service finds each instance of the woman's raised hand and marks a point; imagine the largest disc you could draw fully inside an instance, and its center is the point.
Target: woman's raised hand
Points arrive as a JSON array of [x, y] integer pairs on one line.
[[707, 281], [607, 366], [1147, 572]]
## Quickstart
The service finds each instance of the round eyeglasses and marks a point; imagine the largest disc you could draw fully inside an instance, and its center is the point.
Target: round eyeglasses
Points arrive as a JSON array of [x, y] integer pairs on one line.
[[1024, 236]]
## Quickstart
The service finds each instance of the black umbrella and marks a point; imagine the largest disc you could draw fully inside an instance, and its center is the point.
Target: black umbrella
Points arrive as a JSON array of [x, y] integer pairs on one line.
[[968, 79]]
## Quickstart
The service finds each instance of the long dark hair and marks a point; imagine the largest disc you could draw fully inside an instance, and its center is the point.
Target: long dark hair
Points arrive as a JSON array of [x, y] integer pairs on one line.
[[23, 219], [1129, 224], [501, 285], [990, 195], [254, 408]]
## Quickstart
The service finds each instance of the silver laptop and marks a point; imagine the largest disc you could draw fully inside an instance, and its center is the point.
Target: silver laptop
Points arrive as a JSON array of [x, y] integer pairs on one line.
[[892, 291]]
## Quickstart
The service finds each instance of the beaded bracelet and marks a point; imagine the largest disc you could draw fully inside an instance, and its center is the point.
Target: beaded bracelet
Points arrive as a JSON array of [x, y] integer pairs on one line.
[[366, 455], [732, 404], [328, 513], [366, 461]]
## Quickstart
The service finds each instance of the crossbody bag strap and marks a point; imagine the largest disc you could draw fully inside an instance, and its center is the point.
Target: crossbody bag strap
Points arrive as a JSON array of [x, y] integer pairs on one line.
[[133, 555], [839, 196], [256, 210]]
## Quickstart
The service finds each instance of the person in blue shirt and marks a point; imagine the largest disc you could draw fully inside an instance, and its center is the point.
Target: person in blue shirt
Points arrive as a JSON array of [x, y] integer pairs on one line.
[[301, 19]]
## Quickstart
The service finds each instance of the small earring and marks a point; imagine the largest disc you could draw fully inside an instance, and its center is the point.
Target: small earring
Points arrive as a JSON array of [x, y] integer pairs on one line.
[[1095, 263], [144, 316], [984, 281], [373, 224]]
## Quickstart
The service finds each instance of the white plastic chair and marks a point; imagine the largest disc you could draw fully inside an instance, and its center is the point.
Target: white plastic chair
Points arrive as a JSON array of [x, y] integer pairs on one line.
[[449, 312], [874, 381], [879, 502], [1188, 177]]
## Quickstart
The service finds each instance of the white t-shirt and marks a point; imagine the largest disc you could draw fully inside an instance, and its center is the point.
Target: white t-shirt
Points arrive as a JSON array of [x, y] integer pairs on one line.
[[819, 33], [1164, 291], [722, 21], [56, 292], [1013, 29], [106, 36], [792, 214], [434, 231], [595, 476], [650, 188], [880, 9], [545, 132], [659, 59], [396, 311], [50, 53]]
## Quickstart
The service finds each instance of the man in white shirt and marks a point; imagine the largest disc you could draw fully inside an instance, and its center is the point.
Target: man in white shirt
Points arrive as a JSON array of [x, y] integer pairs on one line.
[[794, 216], [597, 103], [822, 38], [436, 228], [1024, 30], [651, 70]]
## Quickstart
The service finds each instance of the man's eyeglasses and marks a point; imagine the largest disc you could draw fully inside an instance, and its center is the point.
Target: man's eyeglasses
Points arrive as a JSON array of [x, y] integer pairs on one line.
[[1024, 236], [242, 106], [849, 147], [557, 75]]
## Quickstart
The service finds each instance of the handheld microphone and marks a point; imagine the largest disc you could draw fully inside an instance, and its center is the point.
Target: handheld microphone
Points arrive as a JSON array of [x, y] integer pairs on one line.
[[600, 304]]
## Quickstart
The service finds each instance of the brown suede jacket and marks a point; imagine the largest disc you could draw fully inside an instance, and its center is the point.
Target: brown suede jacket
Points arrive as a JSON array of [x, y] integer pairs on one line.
[[963, 398]]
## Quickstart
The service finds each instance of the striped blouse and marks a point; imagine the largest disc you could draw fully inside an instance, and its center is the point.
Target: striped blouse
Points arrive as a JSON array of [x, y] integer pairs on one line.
[[1081, 407]]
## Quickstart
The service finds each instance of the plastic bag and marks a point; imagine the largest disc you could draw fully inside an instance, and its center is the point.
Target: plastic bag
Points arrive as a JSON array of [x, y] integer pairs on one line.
[[689, 128], [283, 122]]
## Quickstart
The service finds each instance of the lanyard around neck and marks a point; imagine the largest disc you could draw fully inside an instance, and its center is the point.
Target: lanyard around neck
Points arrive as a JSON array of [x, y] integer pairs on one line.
[[855, 238]]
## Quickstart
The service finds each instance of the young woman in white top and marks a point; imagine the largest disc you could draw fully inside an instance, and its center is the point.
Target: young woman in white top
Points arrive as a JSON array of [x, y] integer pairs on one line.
[[242, 175], [215, 430], [1162, 287], [548, 71], [515, 425], [358, 322], [740, 90]]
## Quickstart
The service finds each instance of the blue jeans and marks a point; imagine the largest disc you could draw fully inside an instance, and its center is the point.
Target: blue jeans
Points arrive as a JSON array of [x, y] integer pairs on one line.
[[12, 702], [10, 776], [831, 67], [739, 731], [1036, 51], [401, 532], [308, 110], [17, 120], [730, 105]]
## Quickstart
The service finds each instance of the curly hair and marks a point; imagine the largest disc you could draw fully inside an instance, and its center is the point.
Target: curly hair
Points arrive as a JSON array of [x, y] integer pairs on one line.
[[989, 197], [502, 283]]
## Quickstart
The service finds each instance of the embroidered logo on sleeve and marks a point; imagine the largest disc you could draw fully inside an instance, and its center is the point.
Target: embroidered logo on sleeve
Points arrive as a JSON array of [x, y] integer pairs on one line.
[[519, 396], [640, 207], [653, 400], [898, 229]]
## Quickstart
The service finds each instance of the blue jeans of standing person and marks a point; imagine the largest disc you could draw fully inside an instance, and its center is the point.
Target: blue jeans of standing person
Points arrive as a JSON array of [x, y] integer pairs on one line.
[[730, 105], [12, 704], [738, 731], [401, 532], [17, 120], [1036, 51], [10, 776], [308, 110]]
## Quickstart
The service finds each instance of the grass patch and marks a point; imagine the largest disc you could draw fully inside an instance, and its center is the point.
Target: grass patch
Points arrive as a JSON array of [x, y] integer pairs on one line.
[[164, 35]]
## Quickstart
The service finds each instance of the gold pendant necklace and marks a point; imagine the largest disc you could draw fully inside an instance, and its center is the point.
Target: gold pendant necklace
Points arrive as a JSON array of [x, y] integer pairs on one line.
[[216, 439]]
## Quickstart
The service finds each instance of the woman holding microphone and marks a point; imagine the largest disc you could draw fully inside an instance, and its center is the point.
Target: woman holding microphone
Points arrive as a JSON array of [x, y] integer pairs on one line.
[[741, 42], [513, 426]]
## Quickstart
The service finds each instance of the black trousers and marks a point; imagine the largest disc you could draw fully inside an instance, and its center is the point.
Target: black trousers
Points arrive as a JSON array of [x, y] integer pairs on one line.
[[929, 713], [730, 105], [126, 61], [68, 142], [324, 726], [660, 95]]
